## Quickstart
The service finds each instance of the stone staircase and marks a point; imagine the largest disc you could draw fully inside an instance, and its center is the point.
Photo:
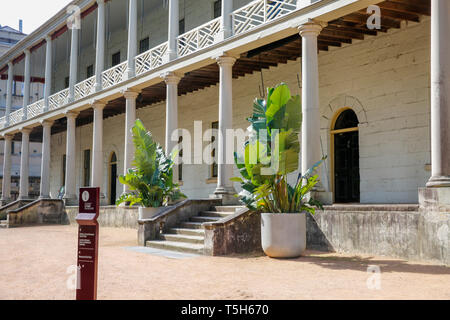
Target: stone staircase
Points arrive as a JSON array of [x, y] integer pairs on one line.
[[4, 224], [189, 236]]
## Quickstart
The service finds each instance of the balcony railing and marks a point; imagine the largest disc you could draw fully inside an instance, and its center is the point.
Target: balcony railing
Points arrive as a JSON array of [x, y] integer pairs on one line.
[[115, 75], [198, 38], [244, 19], [58, 99], [85, 88], [151, 59]]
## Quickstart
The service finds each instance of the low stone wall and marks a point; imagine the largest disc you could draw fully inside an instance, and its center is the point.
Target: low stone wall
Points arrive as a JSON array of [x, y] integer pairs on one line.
[[395, 231], [237, 234], [111, 216], [38, 212]]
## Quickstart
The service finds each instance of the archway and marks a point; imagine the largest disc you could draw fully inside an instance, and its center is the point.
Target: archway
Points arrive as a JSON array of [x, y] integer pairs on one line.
[[345, 150], [113, 178]]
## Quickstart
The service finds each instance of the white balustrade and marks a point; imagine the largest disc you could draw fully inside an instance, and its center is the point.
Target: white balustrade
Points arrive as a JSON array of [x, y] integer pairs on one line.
[[35, 109], [85, 88], [259, 12], [16, 117], [115, 75], [2, 122], [151, 59], [198, 38], [58, 99]]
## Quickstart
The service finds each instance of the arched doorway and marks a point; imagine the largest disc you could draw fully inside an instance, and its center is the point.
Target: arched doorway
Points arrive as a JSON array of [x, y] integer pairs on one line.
[[113, 179], [345, 144]]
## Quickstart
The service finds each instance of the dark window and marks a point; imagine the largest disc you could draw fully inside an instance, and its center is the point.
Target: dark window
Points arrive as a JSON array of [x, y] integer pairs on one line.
[[64, 170], [144, 45], [180, 166], [90, 71], [116, 59], [346, 119], [66, 82], [87, 168], [214, 167], [12, 147], [181, 26], [217, 8]]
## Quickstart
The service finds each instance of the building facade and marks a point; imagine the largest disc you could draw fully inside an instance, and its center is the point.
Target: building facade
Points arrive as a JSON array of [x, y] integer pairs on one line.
[[8, 38], [374, 78]]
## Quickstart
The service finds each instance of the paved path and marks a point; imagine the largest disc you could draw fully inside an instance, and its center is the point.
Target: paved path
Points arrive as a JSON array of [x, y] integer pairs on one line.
[[34, 263]]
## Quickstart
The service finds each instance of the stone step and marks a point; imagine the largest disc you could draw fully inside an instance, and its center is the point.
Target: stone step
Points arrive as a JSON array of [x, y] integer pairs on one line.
[[215, 214], [205, 219], [183, 238], [176, 246], [188, 232], [4, 224], [191, 225], [227, 208]]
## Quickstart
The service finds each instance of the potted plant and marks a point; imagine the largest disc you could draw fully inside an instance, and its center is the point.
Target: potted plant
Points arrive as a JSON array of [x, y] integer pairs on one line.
[[151, 180], [271, 154]]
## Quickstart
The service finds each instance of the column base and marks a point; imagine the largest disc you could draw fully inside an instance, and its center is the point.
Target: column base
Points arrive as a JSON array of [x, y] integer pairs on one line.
[[227, 195], [439, 182], [44, 197], [435, 199], [325, 197]]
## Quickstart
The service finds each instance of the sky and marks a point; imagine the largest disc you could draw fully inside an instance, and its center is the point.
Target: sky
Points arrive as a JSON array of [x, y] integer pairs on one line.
[[34, 13]]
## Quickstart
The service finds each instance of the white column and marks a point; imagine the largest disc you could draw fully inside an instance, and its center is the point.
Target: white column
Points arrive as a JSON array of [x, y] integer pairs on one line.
[[226, 28], [48, 72], [70, 195], [171, 79], [132, 37], [9, 87], [6, 183], [24, 164], [174, 29], [45, 163], [225, 171], [440, 94], [311, 152], [100, 48], [130, 119], [97, 146], [73, 76], [26, 87]]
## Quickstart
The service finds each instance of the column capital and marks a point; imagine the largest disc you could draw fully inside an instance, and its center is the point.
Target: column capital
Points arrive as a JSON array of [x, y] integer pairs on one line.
[[226, 60], [98, 105], [27, 52], [8, 137], [48, 38], [131, 93], [99, 2], [47, 123], [71, 114], [311, 27], [171, 77], [10, 64], [26, 131]]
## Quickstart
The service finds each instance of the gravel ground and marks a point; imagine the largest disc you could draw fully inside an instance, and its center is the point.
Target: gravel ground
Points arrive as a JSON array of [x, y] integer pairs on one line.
[[34, 263]]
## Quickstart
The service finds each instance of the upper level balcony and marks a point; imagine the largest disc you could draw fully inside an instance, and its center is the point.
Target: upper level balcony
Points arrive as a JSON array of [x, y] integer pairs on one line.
[[153, 41]]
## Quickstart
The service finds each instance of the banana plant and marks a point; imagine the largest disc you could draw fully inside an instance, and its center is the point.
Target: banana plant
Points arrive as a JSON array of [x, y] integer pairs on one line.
[[272, 153], [151, 179]]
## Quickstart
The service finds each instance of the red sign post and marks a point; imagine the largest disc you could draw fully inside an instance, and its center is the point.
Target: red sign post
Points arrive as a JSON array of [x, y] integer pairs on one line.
[[88, 243]]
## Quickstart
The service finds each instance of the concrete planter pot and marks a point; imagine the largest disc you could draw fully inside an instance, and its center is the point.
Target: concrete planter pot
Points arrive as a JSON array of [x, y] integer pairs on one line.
[[148, 213], [283, 235]]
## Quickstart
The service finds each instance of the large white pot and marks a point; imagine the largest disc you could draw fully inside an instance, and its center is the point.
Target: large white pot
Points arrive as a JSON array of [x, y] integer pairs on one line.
[[283, 235], [148, 213]]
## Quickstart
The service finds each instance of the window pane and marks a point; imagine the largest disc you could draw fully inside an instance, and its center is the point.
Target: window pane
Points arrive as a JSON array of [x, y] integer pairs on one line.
[[144, 45], [217, 9]]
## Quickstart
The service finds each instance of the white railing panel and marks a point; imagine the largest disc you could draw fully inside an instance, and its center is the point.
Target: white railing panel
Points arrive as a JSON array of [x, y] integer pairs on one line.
[[85, 88], [58, 99], [151, 59], [198, 38], [278, 8], [249, 16], [115, 75], [16, 117], [35, 109], [2, 122]]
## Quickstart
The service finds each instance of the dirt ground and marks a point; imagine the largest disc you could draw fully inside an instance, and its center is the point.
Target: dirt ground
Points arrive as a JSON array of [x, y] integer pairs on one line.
[[34, 264]]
